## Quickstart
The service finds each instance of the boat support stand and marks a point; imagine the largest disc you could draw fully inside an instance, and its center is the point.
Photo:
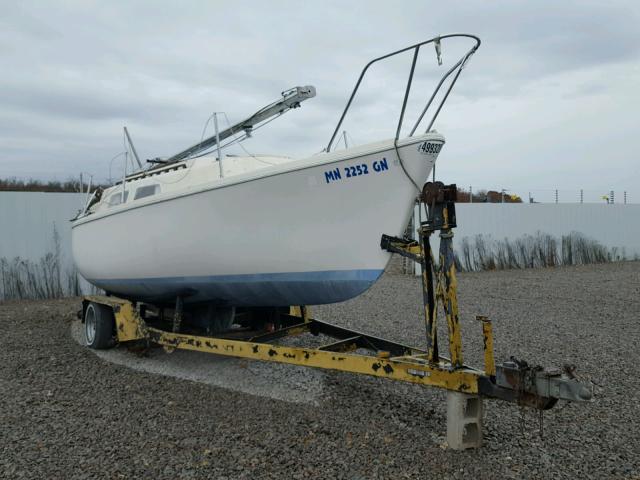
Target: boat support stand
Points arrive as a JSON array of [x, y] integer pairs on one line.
[[356, 352]]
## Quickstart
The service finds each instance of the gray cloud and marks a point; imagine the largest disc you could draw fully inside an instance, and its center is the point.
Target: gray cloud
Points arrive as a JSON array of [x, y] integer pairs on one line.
[[549, 82]]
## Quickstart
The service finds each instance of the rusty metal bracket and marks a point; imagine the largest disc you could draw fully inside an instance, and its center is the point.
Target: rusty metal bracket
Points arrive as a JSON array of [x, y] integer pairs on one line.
[[487, 345], [513, 381]]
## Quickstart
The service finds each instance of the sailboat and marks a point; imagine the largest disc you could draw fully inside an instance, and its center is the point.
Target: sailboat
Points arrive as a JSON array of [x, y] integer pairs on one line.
[[261, 231]]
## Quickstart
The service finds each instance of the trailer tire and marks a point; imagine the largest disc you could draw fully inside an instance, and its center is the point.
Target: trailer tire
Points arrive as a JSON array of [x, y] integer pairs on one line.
[[99, 326]]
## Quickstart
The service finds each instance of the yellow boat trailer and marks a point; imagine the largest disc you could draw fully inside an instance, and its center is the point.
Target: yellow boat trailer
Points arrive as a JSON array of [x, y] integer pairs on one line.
[[355, 352]]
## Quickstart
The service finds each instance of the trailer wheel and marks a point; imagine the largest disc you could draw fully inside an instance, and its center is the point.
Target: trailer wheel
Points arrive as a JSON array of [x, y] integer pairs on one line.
[[99, 326]]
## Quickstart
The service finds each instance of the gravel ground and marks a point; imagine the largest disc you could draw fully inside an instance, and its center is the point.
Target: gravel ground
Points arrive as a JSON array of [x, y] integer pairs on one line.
[[67, 413], [273, 380]]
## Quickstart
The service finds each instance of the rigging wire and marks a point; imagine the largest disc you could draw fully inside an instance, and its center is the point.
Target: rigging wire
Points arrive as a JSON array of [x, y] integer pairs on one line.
[[240, 143], [190, 161], [240, 139], [395, 145], [204, 130], [353, 142], [111, 164], [187, 169], [188, 164]]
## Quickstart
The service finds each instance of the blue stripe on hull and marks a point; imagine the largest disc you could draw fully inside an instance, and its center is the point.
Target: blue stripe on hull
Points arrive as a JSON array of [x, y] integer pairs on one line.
[[262, 289]]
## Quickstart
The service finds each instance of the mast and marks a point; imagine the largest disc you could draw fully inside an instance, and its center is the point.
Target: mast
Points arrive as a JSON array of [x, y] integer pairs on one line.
[[290, 99]]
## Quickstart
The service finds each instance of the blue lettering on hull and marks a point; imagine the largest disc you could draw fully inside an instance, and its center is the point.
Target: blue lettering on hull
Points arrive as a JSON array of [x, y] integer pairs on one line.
[[352, 171], [332, 175]]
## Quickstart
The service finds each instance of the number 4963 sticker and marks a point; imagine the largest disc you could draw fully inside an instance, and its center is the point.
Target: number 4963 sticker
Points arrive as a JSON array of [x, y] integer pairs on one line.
[[430, 147]]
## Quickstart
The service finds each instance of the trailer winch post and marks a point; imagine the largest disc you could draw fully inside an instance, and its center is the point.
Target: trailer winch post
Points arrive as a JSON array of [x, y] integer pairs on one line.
[[464, 411], [439, 201]]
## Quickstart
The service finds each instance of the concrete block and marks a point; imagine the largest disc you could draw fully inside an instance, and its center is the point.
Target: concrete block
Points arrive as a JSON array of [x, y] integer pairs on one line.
[[464, 420]]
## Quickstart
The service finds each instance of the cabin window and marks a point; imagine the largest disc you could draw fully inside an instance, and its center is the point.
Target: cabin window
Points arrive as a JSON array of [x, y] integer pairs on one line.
[[116, 198], [147, 191]]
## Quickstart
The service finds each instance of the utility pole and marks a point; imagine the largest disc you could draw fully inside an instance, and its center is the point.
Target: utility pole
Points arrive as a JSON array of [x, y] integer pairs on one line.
[[581, 196], [470, 194]]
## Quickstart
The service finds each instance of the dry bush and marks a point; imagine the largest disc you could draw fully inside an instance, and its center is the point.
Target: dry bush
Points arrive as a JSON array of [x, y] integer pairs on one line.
[[40, 279], [533, 251]]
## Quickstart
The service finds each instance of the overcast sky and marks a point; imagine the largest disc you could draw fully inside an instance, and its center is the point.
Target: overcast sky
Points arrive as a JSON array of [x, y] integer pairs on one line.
[[550, 100]]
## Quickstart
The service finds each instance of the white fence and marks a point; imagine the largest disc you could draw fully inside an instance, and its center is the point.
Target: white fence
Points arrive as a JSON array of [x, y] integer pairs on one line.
[[35, 244], [613, 226], [28, 220]]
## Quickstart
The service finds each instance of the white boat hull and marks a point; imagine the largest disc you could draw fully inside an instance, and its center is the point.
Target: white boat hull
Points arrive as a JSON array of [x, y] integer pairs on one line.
[[304, 233]]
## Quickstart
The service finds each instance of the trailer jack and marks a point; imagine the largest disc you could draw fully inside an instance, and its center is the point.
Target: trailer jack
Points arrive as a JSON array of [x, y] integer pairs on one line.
[[356, 352]]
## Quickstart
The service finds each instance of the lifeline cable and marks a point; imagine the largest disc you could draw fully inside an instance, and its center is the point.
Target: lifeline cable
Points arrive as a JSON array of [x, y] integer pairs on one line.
[[395, 145]]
